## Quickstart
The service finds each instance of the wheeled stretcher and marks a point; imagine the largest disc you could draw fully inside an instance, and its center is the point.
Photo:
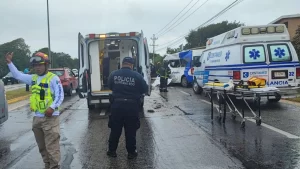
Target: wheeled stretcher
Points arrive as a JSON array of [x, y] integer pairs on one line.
[[225, 91]]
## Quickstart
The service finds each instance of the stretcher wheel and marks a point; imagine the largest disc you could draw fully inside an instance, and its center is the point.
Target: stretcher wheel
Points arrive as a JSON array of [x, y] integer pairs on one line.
[[258, 122], [243, 124]]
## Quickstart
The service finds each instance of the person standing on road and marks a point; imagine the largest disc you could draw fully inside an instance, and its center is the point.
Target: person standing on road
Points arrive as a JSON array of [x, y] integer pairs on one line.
[[47, 95], [164, 73], [128, 88]]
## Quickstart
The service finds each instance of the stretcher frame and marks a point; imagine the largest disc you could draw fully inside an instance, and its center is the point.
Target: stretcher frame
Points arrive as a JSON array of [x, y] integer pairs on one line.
[[224, 101]]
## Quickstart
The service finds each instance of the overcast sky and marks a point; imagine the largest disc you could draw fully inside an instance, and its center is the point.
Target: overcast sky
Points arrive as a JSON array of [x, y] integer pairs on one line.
[[28, 18]]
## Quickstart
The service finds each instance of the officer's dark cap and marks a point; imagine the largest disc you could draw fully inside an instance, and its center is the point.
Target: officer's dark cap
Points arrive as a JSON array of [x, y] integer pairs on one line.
[[128, 60]]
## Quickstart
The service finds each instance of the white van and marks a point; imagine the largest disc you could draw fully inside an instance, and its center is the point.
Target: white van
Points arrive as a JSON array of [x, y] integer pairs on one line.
[[250, 51], [177, 67], [100, 54]]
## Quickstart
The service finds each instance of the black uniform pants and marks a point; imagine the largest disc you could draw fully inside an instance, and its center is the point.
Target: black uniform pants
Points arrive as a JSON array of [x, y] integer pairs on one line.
[[163, 83], [128, 118]]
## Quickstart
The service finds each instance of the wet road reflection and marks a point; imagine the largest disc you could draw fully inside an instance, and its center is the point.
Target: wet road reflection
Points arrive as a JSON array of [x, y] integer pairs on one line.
[[273, 146]]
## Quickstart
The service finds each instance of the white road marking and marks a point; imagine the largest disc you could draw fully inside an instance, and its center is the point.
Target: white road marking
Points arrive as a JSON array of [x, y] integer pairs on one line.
[[102, 113], [288, 135], [184, 92]]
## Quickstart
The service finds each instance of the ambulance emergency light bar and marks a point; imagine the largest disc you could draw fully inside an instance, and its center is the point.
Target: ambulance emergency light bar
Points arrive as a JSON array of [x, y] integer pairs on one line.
[[102, 36], [262, 30]]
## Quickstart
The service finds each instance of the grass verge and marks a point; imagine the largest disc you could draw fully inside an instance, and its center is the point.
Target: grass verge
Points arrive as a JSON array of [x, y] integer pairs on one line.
[[297, 99], [17, 93]]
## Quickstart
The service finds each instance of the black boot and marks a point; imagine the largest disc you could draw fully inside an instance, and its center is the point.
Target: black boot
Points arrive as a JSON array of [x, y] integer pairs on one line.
[[111, 153], [132, 155]]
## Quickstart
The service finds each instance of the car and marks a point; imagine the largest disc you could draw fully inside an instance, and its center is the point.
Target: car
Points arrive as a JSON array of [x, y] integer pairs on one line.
[[3, 104], [68, 79], [9, 79]]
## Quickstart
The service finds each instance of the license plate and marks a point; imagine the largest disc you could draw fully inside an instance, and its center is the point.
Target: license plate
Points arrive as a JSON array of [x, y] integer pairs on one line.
[[279, 74]]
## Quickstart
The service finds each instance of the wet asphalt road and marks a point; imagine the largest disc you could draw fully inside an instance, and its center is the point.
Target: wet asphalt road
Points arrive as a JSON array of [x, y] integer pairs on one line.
[[179, 134]]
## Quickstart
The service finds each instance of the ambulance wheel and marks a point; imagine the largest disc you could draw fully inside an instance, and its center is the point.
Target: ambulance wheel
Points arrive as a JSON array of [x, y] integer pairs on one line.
[[184, 82], [277, 98], [196, 88]]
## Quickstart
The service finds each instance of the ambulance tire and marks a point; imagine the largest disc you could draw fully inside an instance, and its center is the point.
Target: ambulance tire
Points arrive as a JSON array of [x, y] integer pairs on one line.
[[196, 88], [277, 99], [184, 82]]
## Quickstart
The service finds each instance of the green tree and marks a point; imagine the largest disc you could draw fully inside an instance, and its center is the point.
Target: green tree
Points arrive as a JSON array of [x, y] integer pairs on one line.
[[157, 58], [21, 55], [198, 38], [175, 50], [296, 41], [61, 59]]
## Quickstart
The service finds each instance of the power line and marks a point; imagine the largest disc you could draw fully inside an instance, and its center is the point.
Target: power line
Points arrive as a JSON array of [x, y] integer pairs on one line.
[[185, 18], [236, 2], [175, 16], [183, 14]]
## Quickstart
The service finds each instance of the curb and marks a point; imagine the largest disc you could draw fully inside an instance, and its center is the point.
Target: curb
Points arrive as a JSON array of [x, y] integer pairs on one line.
[[18, 99]]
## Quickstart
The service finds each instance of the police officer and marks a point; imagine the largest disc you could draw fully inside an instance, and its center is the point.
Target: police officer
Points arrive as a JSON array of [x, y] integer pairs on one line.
[[164, 73], [47, 95], [127, 88]]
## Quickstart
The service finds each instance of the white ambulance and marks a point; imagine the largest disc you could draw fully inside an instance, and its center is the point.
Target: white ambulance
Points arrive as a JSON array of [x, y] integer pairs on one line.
[[249, 51], [100, 54]]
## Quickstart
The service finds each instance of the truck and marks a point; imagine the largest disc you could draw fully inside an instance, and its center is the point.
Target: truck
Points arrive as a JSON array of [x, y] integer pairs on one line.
[[100, 54]]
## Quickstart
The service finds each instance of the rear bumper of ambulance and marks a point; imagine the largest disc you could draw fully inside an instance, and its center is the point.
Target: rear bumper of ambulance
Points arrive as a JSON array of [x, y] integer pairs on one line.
[[100, 97]]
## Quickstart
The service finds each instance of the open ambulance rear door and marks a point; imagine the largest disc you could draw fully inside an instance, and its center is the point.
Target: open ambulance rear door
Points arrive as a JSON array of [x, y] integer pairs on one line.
[[147, 77], [83, 72]]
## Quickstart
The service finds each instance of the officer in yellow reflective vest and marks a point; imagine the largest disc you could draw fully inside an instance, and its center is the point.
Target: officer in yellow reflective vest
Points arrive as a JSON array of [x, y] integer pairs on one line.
[[47, 95]]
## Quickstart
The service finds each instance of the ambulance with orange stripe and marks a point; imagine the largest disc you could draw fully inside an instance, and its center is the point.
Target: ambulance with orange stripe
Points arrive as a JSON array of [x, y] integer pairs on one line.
[[100, 54], [263, 51]]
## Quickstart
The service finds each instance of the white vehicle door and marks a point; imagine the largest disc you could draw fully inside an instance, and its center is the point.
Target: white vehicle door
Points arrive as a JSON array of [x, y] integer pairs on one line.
[[83, 65], [148, 67], [177, 70], [202, 75], [197, 69], [255, 60], [282, 71]]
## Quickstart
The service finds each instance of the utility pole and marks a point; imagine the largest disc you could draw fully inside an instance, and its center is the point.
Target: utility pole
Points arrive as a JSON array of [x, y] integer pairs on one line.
[[153, 39], [49, 49]]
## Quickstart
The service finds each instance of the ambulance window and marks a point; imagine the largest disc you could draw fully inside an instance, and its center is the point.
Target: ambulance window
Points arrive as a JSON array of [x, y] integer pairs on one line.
[[279, 53], [174, 63], [254, 54]]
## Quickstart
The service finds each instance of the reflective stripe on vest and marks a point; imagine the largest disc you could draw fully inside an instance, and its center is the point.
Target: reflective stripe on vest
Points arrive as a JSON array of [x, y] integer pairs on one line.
[[36, 104]]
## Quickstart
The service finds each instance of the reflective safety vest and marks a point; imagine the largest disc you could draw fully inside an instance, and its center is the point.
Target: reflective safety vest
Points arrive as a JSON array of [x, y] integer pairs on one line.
[[41, 97]]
